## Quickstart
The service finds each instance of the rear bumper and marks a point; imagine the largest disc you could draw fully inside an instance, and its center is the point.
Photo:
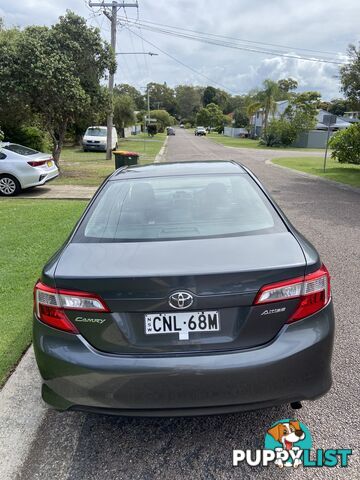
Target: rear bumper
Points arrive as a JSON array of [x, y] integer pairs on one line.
[[39, 177], [294, 366]]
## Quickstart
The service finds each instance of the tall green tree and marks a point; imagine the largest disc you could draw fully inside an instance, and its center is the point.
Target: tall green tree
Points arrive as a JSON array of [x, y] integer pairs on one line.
[[251, 110], [210, 116], [350, 76], [269, 97], [188, 99], [163, 119], [287, 85], [162, 97], [137, 97], [124, 108], [56, 72], [209, 95]]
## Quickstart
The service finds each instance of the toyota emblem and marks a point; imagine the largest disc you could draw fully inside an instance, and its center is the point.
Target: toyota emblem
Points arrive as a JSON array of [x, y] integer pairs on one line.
[[181, 300]]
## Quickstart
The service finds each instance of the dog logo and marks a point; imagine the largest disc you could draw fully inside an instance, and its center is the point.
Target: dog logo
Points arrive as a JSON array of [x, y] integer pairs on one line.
[[289, 437], [288, 443]]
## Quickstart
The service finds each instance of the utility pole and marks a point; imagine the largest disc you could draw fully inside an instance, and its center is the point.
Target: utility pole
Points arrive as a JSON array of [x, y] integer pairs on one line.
[[110, 10]]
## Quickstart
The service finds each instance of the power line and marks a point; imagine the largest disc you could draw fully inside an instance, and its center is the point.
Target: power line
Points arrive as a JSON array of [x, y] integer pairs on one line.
[[213, 41], [237, 39], [183, 64]]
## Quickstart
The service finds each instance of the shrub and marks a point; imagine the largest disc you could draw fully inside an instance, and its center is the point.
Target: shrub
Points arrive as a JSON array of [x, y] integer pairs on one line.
[[32, 137], [346, 145], [187, 125], [279, 133], [152, 130]]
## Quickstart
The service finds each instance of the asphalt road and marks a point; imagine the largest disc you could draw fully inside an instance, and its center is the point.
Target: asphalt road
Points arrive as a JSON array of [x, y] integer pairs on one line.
[[79, 446]]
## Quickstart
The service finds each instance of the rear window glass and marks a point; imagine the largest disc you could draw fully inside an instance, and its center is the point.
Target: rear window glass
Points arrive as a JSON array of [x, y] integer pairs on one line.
[[96, 132], [179, 207], [20, 149]]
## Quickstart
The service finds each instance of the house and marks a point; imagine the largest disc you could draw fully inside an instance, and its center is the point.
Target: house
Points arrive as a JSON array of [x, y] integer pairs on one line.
[[315, 138], [352, 117]]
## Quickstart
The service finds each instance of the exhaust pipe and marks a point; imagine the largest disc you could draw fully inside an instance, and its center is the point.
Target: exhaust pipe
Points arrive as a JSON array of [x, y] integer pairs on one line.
[[296, 405]]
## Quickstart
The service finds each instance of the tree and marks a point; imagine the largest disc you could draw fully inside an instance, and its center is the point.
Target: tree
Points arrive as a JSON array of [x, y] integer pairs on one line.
[[188, 99], [137, 97], [298, 117], [251, 110], [56, 72], [240, 118], [345, 145], [210, 116], [269, 96], [222, 99], [163, 119], [124, 107], [350, 76], [161, 97], [286, 85], [209, 95], [339, 106]]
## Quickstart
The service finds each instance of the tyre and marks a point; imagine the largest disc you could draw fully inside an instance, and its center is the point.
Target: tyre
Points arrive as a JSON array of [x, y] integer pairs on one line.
[[9, 186]]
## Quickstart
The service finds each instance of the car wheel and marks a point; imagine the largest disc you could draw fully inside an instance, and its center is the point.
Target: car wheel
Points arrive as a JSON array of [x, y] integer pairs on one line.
[[9, 186]]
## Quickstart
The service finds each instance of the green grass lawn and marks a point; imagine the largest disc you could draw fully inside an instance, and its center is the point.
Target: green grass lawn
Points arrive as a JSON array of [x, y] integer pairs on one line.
[[340, 172], [91, 168], [249, 143], [30, 232]]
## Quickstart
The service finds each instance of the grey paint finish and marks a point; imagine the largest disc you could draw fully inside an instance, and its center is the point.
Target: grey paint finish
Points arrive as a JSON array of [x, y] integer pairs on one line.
[[83, 376], [186, 257], [114, 364]]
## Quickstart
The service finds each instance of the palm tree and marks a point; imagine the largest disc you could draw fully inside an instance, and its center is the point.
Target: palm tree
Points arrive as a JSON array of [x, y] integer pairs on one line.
[[251, 109], [269, 95]]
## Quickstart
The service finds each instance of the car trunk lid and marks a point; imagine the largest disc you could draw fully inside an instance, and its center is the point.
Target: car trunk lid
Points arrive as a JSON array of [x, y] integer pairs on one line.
[[135, 279]]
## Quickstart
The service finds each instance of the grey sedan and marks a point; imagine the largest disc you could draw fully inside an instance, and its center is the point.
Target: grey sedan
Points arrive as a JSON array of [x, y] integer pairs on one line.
[[183, 290]]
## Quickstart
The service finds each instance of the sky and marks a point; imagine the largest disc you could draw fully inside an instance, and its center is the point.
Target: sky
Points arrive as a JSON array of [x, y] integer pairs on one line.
[[321, 25]]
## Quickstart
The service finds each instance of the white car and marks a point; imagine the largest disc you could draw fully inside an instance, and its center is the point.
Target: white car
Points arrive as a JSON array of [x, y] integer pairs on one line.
[[95, 138], [22, 167]]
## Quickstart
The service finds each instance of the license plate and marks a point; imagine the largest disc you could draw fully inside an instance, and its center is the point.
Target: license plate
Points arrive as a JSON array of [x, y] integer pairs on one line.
[[49, 163], [182, 323]]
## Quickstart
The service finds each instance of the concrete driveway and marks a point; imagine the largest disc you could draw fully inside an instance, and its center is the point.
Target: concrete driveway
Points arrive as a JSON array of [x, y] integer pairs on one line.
[[79, 446]]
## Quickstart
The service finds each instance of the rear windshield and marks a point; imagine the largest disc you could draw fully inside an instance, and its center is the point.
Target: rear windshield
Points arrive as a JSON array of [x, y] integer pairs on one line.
[[20, 149], [96, 132], [179, 207]]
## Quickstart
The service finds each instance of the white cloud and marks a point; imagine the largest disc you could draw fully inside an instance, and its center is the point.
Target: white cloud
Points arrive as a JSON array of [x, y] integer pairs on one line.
[[322, 25]]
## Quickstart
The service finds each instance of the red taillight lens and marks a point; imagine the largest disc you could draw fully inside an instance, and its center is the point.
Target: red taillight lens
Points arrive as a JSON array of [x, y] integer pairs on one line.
[[37, 163], [50, 305], [313, 292]]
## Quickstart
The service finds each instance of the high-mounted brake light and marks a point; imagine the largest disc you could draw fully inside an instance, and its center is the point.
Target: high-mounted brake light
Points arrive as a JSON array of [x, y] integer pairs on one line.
[[313, 292], [50, 305]]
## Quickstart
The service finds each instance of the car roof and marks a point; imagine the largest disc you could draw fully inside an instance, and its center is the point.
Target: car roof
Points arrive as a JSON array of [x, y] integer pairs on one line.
[[179, 168]]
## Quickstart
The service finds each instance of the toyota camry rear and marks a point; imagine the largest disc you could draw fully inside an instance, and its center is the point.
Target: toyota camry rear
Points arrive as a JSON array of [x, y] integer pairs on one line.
[[183, 290]]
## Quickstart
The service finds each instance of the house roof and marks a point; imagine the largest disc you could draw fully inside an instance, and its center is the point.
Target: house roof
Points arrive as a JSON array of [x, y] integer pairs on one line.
[[339, 124]]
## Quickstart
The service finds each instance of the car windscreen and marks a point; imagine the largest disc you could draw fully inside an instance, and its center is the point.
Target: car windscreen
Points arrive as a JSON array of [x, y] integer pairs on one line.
[[96, 132], [178, 207], [20, 149]]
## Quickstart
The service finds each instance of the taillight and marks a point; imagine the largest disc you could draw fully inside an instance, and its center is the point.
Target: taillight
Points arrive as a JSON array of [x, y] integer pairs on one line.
[[50, 305], [313, 292], [37, 163]]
